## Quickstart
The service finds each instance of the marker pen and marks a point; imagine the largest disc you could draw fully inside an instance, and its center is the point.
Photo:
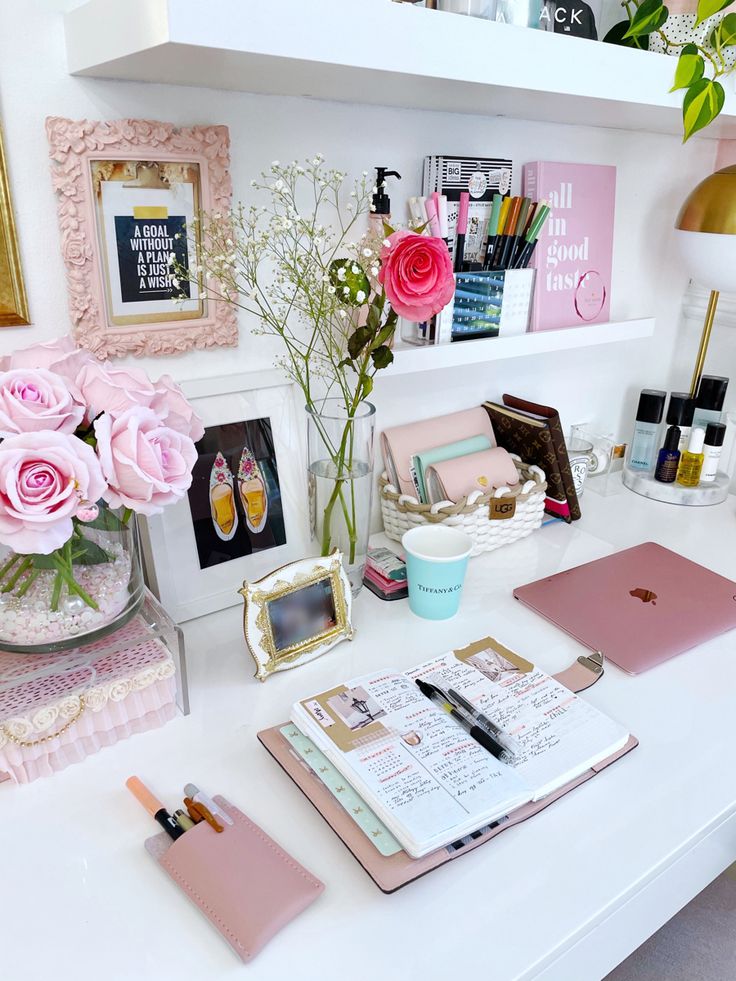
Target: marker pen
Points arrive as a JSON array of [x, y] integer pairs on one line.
[[154, 807], [532, 236], [441, 202], [509, 233], [462, 230], [492, 230], [518, 243], [434, 220]]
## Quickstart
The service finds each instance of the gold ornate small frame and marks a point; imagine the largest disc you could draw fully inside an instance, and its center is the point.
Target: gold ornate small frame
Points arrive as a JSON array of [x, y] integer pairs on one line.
[[282, 608]]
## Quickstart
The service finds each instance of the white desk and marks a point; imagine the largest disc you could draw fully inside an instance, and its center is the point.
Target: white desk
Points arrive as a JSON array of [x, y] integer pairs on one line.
[[562, 898]]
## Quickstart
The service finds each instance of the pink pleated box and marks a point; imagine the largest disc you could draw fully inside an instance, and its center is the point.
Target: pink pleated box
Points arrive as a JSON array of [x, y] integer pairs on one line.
[[57, 709]]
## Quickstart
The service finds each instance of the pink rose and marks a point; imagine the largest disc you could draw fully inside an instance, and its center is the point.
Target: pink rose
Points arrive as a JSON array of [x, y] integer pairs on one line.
[[33, 399], [171, 405], [114, 390], [43, 478], [146, 464], [61, 356], [416, 275]]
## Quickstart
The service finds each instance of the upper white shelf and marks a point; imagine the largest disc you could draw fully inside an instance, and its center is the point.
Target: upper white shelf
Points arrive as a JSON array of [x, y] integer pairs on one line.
[[409, 358], [382, 53]]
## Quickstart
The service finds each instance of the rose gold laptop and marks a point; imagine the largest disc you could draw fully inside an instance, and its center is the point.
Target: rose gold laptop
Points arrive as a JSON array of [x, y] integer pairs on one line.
[[639, 607]]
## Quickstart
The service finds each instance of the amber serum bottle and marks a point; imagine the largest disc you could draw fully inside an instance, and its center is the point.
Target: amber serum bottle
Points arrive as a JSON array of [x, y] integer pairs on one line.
[[669, 457], [691, 461]]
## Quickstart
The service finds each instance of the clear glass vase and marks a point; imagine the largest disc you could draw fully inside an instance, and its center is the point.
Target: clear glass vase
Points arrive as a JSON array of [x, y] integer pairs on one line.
[[340, 470], [84, 590]]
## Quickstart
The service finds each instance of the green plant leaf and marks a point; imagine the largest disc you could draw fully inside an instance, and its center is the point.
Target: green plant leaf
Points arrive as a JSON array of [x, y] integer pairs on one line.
[[617, 35], [650, 16], [88, 553], [384, 336], [706, 9], [346, 363], [367, 387], [358, 340], [728, 31], [703, 101], [382, 356], [43, 561], [690, 68]]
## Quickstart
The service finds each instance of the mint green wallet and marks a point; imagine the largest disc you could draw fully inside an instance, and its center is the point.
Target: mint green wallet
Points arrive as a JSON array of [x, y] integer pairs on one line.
[[463, 447]]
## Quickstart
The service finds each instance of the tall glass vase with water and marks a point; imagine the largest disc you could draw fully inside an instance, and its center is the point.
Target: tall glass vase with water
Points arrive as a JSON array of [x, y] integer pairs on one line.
[[340, 469]]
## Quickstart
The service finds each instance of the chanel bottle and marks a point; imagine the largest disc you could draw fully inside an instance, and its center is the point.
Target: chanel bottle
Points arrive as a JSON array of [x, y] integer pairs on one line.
[[644, 440], [669, 457], [712, 449], [691, 461], [680, 414], [709, 400]]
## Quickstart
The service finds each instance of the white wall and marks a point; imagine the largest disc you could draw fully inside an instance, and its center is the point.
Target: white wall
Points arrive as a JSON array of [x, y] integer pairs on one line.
[[597, 385]]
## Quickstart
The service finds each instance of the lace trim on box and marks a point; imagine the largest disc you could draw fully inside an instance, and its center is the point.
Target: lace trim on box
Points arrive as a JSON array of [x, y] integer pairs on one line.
[[68, 708]]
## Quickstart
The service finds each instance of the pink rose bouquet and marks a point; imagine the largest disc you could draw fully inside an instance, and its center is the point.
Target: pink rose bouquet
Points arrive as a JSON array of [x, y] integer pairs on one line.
[[77, 439]]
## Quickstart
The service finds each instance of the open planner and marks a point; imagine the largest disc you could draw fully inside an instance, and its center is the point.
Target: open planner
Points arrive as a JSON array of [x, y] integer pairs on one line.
[[422, 776]]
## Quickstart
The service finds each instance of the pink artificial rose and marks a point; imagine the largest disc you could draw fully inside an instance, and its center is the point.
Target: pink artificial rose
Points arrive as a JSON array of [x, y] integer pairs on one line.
[[114, 390], [43, 479], [62, 356], [171, 405], [33, 399], [416, 275], [147, 464]]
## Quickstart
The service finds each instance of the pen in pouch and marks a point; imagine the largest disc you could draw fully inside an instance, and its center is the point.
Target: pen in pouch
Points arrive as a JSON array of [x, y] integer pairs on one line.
[[183, 820], [204, 812], [199, 797], [154, 807], [462, 230]]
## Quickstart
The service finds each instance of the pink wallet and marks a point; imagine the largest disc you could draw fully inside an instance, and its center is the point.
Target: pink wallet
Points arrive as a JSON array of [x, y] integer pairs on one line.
[[400, 443], [244, 883], [451, 480]]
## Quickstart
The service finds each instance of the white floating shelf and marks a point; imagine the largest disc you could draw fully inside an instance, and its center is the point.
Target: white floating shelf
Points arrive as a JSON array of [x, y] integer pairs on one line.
[[381, 53], [409, 359]]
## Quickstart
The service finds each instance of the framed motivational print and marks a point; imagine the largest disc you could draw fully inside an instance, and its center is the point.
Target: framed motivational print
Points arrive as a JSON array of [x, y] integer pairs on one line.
[[128, 193]]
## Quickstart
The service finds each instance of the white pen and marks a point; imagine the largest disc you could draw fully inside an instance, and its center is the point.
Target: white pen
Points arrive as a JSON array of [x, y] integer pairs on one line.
[[196, 794]]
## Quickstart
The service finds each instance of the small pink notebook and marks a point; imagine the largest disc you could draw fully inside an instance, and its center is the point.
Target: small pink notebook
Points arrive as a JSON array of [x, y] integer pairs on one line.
[[574, 254]]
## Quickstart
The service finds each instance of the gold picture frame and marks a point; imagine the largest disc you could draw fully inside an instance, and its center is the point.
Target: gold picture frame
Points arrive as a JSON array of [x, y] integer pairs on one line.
[[269, 640], [13, 299]]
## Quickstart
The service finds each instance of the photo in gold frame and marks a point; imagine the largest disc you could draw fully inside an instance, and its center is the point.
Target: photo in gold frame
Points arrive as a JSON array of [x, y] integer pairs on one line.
[[13, 300], [296, 613]]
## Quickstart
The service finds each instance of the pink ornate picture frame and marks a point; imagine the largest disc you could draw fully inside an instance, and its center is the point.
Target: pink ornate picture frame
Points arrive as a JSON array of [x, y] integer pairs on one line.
[[127, 191]]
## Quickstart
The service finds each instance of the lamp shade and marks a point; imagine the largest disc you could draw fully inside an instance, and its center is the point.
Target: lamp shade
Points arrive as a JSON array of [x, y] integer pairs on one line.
[[706, 231]]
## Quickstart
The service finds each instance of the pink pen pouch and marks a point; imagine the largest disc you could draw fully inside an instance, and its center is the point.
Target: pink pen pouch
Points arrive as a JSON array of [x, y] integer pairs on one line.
[[246, 885]]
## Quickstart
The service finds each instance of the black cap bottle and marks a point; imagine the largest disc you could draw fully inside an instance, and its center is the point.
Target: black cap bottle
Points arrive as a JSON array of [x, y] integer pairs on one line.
[[669, 457], [648, 418], [709, 400], [715, 433], [680, 413]]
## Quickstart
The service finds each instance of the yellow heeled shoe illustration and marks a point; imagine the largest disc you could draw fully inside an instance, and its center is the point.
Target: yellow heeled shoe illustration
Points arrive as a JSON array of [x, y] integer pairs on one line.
[[222, 499], [252, 490]]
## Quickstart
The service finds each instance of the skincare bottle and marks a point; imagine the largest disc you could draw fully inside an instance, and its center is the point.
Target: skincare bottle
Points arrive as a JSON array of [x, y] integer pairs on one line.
[[691, 461], [381, 204], [709, 400], [644, 440], [713, 447], [680, 414], [669, 457]]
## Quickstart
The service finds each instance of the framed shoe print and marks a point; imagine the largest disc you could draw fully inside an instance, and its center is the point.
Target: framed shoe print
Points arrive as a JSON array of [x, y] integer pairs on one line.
[[246, 511]]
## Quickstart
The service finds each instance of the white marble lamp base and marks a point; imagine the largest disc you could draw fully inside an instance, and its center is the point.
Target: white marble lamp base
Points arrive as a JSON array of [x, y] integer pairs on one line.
[[700, 496]]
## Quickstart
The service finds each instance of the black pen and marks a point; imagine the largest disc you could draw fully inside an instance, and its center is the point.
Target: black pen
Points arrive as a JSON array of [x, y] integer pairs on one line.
[[480, 735], [507, 741]]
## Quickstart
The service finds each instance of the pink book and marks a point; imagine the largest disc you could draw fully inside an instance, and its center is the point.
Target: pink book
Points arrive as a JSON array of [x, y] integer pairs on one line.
[[574, 254]]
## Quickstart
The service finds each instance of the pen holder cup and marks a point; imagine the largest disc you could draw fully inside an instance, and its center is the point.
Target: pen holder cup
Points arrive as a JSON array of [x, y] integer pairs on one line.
[[488, 303]]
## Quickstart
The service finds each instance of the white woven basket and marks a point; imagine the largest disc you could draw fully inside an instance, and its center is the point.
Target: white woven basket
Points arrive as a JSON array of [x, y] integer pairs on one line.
[[491, 520]]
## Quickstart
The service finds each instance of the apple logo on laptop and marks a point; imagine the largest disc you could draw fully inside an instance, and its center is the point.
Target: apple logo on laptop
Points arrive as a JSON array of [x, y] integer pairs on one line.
[[645, 595]]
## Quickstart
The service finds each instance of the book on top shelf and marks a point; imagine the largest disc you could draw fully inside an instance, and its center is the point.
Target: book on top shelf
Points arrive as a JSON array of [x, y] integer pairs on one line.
[[574, 254]]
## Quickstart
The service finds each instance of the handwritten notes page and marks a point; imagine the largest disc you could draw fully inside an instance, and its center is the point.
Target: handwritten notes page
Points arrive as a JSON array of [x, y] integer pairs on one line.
[[559, 735], [420, 771]]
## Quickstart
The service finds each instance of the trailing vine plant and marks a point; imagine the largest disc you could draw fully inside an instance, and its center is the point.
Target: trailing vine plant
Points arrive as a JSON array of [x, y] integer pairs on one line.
[[699, 66]]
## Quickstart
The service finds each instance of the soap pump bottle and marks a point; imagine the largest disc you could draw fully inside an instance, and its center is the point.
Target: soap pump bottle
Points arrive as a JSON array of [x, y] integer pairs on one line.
[[691, 461], [381, 203], [669, 457]]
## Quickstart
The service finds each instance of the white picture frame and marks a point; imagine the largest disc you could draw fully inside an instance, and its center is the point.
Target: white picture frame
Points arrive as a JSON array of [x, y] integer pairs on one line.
[[172, 562], [277, 643]]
